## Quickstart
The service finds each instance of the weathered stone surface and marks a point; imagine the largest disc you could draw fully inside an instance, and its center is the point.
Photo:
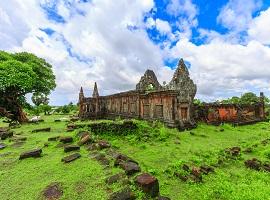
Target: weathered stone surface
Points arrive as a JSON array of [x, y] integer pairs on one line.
[[101, 158], [55, 138], [71, 147], [66, 139], [266, 167], [53, 191], [196, 174], [124, 194], [16, 139], [18, 144], [81, 134], [5, 133], [130, 167], [85, 140], [185, 167], [234, 151], [71, 157], [32, 153], [92, 147], [103, 144], [41, 130], [74, 119], [119, 158], [254, 163], [71, 127], [149, 184], [114, 178], [206, 169], [2, 146]]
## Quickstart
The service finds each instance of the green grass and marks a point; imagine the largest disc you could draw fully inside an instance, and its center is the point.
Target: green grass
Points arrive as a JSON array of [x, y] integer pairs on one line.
[[158, 150]]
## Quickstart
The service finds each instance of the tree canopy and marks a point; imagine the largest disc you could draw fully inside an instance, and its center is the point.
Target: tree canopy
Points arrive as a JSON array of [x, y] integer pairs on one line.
[[20, 74]]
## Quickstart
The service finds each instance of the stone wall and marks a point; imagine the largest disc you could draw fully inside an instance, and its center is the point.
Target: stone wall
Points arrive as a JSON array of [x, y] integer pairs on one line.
[[214, 113]]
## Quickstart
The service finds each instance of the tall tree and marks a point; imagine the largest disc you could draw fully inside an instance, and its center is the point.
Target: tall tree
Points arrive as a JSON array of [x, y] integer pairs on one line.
[[20, 74]]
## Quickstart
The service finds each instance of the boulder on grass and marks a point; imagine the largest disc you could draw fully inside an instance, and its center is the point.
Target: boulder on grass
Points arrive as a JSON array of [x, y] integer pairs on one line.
[[66, 139], [32, 153], [149, 184], [254, 163], [41, 130], [53, 138], [53, 191], [123, 194], [2, 146], [130, 167], [234, 151], [84, 140], [6, 134], [71, 157], [71, 147], [103, 144], [115, 178]]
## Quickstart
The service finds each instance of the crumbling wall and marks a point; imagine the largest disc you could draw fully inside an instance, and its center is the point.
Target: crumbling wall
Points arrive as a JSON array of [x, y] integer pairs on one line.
[[214, 113]]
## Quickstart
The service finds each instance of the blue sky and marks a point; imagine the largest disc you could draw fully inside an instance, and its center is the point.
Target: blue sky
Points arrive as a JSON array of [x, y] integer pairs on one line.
[[225, 43]]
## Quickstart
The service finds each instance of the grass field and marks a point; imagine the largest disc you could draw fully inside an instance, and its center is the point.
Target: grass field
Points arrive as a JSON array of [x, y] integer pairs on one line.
[[159, 151]]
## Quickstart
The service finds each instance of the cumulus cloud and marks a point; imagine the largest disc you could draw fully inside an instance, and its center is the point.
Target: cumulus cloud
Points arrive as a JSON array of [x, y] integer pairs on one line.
[[259, 28], [237, 14], [223, 69]]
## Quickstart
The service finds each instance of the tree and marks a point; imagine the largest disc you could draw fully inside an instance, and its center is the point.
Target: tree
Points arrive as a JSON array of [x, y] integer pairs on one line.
[[46, 108], [39, 98], [20, 74], [249, 98], [65, 109]]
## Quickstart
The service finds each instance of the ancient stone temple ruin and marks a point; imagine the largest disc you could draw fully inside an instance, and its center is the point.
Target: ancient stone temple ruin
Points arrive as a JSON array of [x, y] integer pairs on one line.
[[171, 104]]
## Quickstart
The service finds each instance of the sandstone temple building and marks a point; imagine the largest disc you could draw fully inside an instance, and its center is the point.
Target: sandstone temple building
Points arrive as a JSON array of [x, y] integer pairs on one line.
[[171, 103]]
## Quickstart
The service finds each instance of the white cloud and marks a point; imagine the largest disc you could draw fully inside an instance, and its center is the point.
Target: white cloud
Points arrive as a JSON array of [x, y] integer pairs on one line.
[[259, 28], [163, 26], [186, 13], [222, 69], [237, 14]]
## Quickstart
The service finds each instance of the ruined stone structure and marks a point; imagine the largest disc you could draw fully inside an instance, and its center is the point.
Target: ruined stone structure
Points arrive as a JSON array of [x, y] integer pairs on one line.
[[171, 104], [215, 113]]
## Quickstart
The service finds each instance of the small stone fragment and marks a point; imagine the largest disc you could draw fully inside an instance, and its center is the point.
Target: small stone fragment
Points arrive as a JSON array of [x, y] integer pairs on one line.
[[53, 138], [71, 147], [66, 139], [86, 139], [71, 157], [2, 146], [103, 144], [41, 130], [254, 163], [124, 194], [114, 178], [130, 167], [149, 184], [32, 153], [53, 191]]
